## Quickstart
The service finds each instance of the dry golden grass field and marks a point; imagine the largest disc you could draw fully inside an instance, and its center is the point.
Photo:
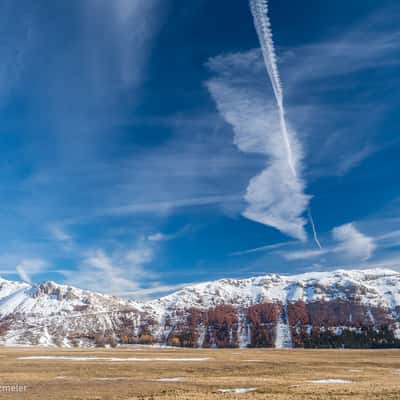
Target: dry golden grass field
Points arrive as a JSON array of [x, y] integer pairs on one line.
[[199, 374]]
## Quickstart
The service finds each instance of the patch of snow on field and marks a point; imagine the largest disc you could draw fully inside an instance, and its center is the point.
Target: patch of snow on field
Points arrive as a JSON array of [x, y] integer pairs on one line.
[[177, 379], [68, 378], [111, 359], [122, 378], [333, 381], [237, 390]]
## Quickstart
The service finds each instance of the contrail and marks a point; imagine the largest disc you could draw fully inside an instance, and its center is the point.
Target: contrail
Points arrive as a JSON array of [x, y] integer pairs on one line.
[[259, 10], [311, 219]]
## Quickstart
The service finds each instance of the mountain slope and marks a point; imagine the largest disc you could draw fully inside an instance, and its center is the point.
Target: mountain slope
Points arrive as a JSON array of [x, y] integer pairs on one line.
[[358, 308]]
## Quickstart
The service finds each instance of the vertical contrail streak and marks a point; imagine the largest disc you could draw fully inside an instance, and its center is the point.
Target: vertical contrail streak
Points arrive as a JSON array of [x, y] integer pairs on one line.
[[311, 219], [259, 10]]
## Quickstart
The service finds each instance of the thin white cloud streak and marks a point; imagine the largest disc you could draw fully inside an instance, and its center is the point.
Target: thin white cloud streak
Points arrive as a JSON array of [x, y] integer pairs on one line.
[[349, 162], [306, 254], [389, 240], [163, 207], [59, 234], [262, 248], [390, 235], [311, 219], [275, 197], [159, 237], [347, 133], [370, 44], [259, 9], [165, 237]]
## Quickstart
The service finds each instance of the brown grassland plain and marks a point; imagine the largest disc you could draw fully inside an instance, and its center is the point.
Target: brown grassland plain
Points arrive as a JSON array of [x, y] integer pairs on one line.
[[273, 374]]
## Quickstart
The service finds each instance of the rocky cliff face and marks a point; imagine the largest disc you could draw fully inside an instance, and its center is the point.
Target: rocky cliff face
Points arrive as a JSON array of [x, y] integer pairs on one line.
[[335, 309]]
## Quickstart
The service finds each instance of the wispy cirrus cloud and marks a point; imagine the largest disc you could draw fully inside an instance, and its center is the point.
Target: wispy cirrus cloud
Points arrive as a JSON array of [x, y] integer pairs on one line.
[[314, 72], [164, 207], [113, 272], [368, 44], [261, 249], [122, 269], [130, 25], [311, 73], [87, 158], [58, 232], [165, 237]]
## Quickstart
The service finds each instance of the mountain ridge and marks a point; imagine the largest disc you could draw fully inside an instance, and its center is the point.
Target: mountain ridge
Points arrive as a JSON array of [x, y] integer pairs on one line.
[[271, 310]]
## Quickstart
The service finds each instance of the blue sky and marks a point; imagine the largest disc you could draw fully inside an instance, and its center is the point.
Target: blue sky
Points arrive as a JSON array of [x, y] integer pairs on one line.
[[141, 149]]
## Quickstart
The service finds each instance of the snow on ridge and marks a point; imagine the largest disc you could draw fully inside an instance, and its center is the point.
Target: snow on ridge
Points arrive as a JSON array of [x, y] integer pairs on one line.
[[374, 286], [56, 314], [49, 298]]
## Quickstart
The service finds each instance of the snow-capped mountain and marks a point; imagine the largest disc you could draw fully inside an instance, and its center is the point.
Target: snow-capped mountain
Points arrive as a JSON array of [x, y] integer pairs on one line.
[[378, 287], [356, 308]]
